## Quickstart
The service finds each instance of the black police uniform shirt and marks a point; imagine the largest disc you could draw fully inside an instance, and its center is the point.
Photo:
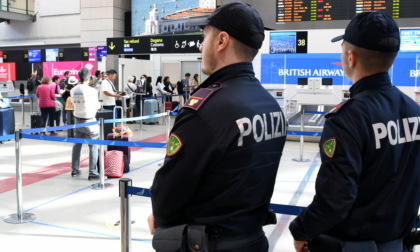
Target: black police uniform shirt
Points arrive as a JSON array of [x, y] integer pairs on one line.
[[222, 156], [368, 185]]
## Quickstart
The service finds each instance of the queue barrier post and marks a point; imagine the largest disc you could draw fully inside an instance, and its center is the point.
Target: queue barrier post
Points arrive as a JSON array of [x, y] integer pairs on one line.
[[19, 217], [168, 125], [302, 121], [23, 111], [125, 211], [101, 185]]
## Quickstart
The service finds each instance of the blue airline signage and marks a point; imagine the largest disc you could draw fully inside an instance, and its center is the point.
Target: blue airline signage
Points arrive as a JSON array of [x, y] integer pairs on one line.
[[287, 68]]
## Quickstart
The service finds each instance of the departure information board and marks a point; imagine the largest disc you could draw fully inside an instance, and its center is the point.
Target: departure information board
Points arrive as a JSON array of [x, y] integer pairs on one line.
[[319, 10]]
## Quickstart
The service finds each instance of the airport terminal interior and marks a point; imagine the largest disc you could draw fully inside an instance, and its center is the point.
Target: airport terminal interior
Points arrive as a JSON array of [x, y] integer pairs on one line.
[[44, 208]]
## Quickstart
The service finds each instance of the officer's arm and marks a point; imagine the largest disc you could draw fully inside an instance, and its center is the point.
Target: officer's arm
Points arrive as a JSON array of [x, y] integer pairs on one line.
[[337, 181], [191, 149]]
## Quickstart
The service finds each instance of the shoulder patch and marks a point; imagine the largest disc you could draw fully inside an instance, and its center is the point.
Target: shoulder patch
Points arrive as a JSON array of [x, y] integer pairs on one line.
[[337, 108], [174, 145], [199, 97], [329, 147]]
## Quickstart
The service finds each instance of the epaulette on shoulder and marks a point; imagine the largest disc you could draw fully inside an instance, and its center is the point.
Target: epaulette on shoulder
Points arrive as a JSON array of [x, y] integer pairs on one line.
[[337, 108], [199, 97]]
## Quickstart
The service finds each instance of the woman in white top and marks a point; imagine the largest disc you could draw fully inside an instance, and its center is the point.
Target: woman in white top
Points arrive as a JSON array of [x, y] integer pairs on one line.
[[160, 92], [130, 89]]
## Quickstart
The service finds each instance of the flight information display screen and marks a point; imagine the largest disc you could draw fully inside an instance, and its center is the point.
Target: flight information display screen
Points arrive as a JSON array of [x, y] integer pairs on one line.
[[319, 10]]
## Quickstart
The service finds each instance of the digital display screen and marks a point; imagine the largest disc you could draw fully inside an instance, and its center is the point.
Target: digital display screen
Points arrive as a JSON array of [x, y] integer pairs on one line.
[[319, 10], [410, 40], [327, 81], [302, 81], [34, 55], [288, 42], [51, 55]]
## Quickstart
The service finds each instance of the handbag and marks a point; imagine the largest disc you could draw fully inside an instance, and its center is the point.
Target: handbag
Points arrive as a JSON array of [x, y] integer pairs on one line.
[[58, 105], [69, 104], [181, 238]]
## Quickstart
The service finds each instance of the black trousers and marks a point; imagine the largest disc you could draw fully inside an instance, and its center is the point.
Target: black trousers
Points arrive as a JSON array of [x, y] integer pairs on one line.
[[48, 112]]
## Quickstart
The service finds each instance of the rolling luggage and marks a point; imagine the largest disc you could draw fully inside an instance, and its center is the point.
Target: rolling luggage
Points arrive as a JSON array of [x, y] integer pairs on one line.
[[36, 120], [106, 114], [151, 108], [124, 137], [168, 106], [114, 164], [7, 121]]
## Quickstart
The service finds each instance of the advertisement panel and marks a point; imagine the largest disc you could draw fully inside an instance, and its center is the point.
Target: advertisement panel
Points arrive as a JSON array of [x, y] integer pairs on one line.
[[8, 71], [1, 56], [92, 52], [101, 52], [286, 69], [58, 68]]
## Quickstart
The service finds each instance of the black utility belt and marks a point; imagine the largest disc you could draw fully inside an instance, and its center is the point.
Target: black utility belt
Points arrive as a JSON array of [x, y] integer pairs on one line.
[[182, 238]]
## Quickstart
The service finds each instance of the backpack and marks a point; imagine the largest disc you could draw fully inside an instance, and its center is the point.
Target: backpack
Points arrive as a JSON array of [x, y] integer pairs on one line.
[[30, 85]]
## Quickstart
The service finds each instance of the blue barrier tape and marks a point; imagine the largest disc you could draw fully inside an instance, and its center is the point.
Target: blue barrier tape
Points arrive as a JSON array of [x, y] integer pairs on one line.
[[73, 126], [280, 209], [315, 112], [155, 97], [134, 118], [304, 133], [138, 191], [7, 137], [16, 97], [97, 142]]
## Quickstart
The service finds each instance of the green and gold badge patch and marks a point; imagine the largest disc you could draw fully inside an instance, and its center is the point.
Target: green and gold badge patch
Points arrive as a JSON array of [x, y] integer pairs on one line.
[[174, 145], [329, 147]]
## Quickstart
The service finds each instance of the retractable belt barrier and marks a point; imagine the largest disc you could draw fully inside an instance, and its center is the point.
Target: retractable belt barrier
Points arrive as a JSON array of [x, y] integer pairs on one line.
[[20, 96], [27, 134]]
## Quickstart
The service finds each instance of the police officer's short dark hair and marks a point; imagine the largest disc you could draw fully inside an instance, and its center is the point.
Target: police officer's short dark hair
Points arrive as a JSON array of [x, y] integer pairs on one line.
[[187, 75]]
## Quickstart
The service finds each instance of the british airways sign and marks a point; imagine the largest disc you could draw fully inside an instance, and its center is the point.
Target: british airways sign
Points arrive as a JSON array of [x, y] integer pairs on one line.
[[287, 68]]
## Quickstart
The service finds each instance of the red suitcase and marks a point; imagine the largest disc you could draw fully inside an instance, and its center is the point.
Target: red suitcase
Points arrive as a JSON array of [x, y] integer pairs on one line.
[[125, 137], [114, 164], [168, 106]]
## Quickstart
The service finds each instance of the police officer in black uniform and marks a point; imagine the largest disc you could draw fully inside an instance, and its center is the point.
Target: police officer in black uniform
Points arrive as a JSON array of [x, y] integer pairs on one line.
[[368, 186], [225, 147]]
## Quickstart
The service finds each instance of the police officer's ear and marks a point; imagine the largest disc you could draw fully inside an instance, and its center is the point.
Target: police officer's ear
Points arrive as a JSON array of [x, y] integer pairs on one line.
[[223, 40]]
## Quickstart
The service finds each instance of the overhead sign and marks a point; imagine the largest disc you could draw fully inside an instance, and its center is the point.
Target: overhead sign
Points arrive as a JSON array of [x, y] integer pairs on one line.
[[155, 44], [8, 71], [286, 69], [58, 68]]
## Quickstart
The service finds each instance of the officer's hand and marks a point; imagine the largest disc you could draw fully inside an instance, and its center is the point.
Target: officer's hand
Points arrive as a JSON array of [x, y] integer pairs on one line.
[[301, 246], [152, 224], [119, 95]]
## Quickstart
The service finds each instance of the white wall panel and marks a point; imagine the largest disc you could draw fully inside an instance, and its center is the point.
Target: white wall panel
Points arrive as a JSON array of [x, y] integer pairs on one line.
[[58, 7]]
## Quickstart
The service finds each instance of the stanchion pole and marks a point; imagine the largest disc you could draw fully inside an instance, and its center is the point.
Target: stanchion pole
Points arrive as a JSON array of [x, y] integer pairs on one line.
[[101, 185], [302, 122], [168, 125], [141, 112], [19, 217], [125, 208], [23, 111]]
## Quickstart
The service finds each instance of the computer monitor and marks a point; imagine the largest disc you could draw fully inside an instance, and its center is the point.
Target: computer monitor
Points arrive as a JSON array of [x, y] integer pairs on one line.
[[327, 81], [302, 81]]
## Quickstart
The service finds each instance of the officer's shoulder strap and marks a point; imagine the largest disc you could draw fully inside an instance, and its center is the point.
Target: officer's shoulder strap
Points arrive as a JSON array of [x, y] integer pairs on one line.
[[338, 108], [198, 98]]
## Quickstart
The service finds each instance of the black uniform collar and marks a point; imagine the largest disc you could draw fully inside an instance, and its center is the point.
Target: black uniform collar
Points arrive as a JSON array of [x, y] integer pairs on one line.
[[229, 72], [376, 81]]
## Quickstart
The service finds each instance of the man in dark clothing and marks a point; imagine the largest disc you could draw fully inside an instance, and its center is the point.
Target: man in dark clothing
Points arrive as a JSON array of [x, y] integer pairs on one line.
[[32, 85], [367, 188], [223, 153], [63, 83]]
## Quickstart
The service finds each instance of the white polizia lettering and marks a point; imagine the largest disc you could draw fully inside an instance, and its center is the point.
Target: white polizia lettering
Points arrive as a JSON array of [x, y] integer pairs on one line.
[[262, 127], [397, 132]]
